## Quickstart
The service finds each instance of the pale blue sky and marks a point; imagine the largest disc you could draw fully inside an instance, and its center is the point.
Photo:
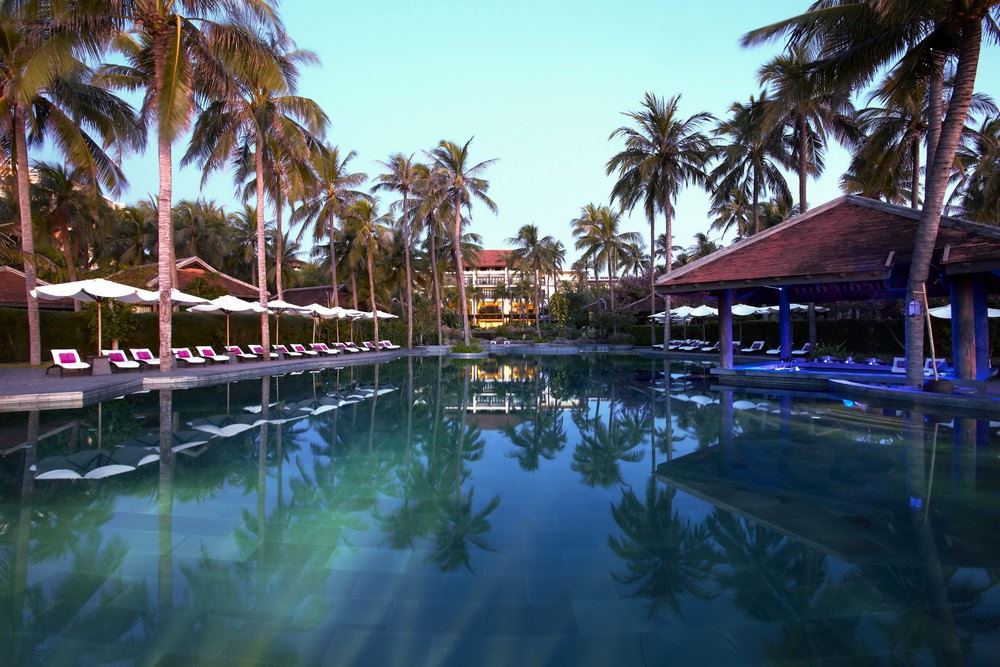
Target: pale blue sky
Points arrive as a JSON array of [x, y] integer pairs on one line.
[[539, 84]]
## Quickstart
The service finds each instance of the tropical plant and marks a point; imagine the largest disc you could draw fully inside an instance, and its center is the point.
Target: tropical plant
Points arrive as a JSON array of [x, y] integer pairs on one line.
[[371, 229], [327, 198], [46, 88], [977, 194], [539, 255], [751, 153], [598, 235], [463, 183], [663, 153]]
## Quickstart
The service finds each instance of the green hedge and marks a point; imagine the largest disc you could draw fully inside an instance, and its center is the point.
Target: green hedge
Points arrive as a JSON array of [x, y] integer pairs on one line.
[[72, 330]]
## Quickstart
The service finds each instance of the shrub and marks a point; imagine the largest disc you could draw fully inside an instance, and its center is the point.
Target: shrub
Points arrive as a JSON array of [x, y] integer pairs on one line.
[[621, 339], [462, 348]]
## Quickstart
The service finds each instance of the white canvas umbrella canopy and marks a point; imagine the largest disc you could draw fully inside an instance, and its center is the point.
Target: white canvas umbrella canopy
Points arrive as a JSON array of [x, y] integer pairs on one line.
[[318, 312], [227, 304], [944, 312], [96, 290], [743, 310], [177, 298], [278, 307]]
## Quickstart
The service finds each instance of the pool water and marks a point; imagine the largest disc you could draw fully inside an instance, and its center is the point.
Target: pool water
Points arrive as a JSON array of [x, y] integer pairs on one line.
[[595, 510]]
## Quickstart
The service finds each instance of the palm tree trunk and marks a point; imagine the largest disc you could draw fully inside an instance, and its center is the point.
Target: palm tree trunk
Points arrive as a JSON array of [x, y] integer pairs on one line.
[[279, 243], [756, 204], [652, 281], [915, 176], [538, 305], [435, 279], [935, 107], [166, 266], [333, 260], [463, 307], [371, 292], [803, 130], [354, 287], [409, 272], [265, 333], [669, 252], [27, 236], [936, 183]]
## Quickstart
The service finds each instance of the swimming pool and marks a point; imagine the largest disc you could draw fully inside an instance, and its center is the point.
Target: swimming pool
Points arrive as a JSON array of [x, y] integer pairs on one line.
[[518, 510]]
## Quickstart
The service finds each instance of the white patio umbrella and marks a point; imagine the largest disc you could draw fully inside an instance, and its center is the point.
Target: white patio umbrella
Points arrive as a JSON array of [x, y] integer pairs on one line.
[[318, 312], [177, 298], [944, 312], [227, 304], [278, 307], [96, 290]]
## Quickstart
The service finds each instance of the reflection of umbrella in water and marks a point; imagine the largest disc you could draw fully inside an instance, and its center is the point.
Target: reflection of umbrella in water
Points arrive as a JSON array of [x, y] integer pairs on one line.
[[93, 463], [180, 440], [226, 426], [701, 400], [744, 405], [320, 405]]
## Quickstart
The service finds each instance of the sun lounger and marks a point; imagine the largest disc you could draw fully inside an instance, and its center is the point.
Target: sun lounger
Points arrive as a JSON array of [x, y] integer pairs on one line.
[[712, 348], [929, 365], [344, 347], [207, 352], [370, 346], [898, 365], [184, 354], [805, 350], [323, 348], [118, 359], [691, 346], [756, 346], [144, 356], [774, 351], [388, 345], [237, 352], [258, 351], [285, 351], [67, 360], [301, 349]]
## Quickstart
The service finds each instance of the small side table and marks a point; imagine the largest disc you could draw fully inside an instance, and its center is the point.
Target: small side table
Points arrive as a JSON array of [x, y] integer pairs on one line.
[[100, 366]]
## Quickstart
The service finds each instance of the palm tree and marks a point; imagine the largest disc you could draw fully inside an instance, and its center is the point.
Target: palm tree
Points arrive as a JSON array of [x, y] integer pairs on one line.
[[430, 212], [662, 154], [858, 40], [371, 230], [259, 102], [402, 176], [327, 199], [703, 246], [598, 235], [200, 229], [538, 254], [132, 235], [174, 52], [463, 183], [977, 193], [750, 157], [807, 110], [46, 87]]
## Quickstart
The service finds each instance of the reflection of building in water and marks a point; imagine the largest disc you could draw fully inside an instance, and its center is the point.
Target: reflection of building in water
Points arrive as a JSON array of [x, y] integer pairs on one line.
[[500, 391]]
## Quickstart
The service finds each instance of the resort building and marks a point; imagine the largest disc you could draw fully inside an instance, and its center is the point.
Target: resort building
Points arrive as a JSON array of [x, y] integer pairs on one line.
[[14, 295], [191, 271]]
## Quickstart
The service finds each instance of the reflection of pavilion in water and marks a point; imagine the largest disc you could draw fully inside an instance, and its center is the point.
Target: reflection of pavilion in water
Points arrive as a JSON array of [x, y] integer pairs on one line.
[[862, 502]]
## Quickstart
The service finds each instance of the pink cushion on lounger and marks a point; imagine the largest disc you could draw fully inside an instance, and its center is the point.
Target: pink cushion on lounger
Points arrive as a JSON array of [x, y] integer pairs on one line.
[[117, 356], [183, 354], [144, 356], [67, 358]]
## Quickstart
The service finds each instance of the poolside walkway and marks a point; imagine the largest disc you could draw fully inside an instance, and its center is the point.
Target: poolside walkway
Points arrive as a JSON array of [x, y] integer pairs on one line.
[[30, 388]]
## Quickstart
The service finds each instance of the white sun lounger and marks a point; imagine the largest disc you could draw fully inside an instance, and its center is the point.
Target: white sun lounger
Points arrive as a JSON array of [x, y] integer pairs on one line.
[[301, 349], [323, 348], [144, 356], [118, 359], [184, 354], [285, 351], [67, 360], [208, 352], [756, 346], [259, 351], [237, 352]]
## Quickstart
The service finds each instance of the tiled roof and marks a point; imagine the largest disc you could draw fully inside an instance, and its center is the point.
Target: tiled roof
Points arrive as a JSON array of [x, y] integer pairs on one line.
[[321, 294], [848, 240], [14, 295], [188, 269], [491, 259]]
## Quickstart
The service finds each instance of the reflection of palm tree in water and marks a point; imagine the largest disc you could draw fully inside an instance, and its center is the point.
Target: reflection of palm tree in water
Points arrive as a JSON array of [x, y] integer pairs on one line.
[[541, 436], [604, 446], [666, 557]]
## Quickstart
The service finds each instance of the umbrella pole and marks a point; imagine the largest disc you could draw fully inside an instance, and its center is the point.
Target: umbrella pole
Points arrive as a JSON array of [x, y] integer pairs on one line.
[[338, 329], [227, 330], [315, 322], [277, 328], [99, 340]]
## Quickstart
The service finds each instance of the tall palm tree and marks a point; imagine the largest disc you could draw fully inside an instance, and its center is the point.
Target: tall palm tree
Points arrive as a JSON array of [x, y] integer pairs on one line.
[[45, 87], [402, 176], [663, 153], [372, 231], [538, 254], [430, 212], [598, 235], [463, 184], [175, 52], [750, 156], [808, 110], [328, 197], [856, 41], [259, 102], [200, 229]]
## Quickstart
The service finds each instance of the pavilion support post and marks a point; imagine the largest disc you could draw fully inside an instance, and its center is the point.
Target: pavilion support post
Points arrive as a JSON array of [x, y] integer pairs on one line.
[[726, 329], [812, 324], [785, 323], [955, 324], [980, 309], [963, 329]]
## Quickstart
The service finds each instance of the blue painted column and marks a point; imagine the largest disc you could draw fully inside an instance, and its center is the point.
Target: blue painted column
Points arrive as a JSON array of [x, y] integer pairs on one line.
[[963, 335], [726, 329], [785, 324], [954, 322], [980, 312]]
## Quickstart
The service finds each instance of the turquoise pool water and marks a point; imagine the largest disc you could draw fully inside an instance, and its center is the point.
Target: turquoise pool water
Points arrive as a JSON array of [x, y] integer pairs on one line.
[[603, 510]]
